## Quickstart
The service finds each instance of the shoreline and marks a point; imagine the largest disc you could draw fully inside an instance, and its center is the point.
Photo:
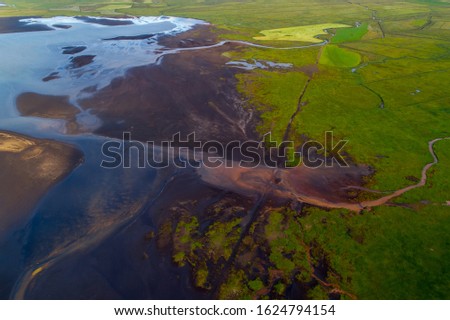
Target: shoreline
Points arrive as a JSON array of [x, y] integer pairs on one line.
[[31, 167]]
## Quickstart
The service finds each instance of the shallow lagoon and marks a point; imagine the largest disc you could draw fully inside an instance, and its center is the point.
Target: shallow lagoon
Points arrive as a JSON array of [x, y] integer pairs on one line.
[[90, 204]]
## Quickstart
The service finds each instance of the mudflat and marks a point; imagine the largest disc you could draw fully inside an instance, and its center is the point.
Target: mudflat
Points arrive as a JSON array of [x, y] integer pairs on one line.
[[30, 167], [188, 91], [32, 104]]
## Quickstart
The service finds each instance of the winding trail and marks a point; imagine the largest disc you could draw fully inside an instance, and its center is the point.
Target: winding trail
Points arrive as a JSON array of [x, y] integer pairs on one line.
[[357, 207], [250, 44], [421, 183], [239, 42]]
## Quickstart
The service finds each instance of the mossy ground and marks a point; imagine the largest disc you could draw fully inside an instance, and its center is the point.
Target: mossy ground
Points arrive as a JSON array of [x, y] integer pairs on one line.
[[307, 33], [350, 34], [335, 56]]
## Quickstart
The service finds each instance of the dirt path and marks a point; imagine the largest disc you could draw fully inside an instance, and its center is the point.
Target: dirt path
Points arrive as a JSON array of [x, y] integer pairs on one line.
[[421, 183], [380, 201]]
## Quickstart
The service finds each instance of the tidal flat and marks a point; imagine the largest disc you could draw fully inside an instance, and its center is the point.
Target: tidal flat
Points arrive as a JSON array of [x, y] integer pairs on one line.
[[376, 76]]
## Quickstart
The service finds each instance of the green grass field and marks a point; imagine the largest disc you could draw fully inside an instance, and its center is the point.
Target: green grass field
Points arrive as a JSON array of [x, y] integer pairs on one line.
[[301, 33], [384, 87], [334, 56], [350, 34]]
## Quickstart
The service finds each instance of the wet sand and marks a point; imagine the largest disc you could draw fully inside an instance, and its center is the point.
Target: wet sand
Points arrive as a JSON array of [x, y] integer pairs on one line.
[[80, 61], [73, 49], [105, 21], [51, 76], [138, 37], [190, 91], [32, 104], [323, 187], [29, 168], [125, 265], [198, 36], [12, 24]]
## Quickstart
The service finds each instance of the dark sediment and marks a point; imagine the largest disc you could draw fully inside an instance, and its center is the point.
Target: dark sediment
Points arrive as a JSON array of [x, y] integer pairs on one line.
[[80, 61], [190, 91], [73, 50], [118, 269], [62, 26], [201, 35], [29, 168], [104, 22], [12, 25], [32, 104], [51, 76], [138, 37], [37, 105]]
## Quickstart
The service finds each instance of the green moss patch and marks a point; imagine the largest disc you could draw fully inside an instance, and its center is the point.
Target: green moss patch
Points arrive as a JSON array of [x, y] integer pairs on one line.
[[338, 57]]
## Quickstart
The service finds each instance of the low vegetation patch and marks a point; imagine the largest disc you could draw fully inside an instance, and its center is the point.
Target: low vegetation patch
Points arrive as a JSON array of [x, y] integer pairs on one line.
[[335, 56], [301, 33], [350, 34]]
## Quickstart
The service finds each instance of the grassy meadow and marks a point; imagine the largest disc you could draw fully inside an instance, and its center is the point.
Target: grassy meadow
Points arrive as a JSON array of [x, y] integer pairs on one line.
[[301, 33], [384, 86]]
